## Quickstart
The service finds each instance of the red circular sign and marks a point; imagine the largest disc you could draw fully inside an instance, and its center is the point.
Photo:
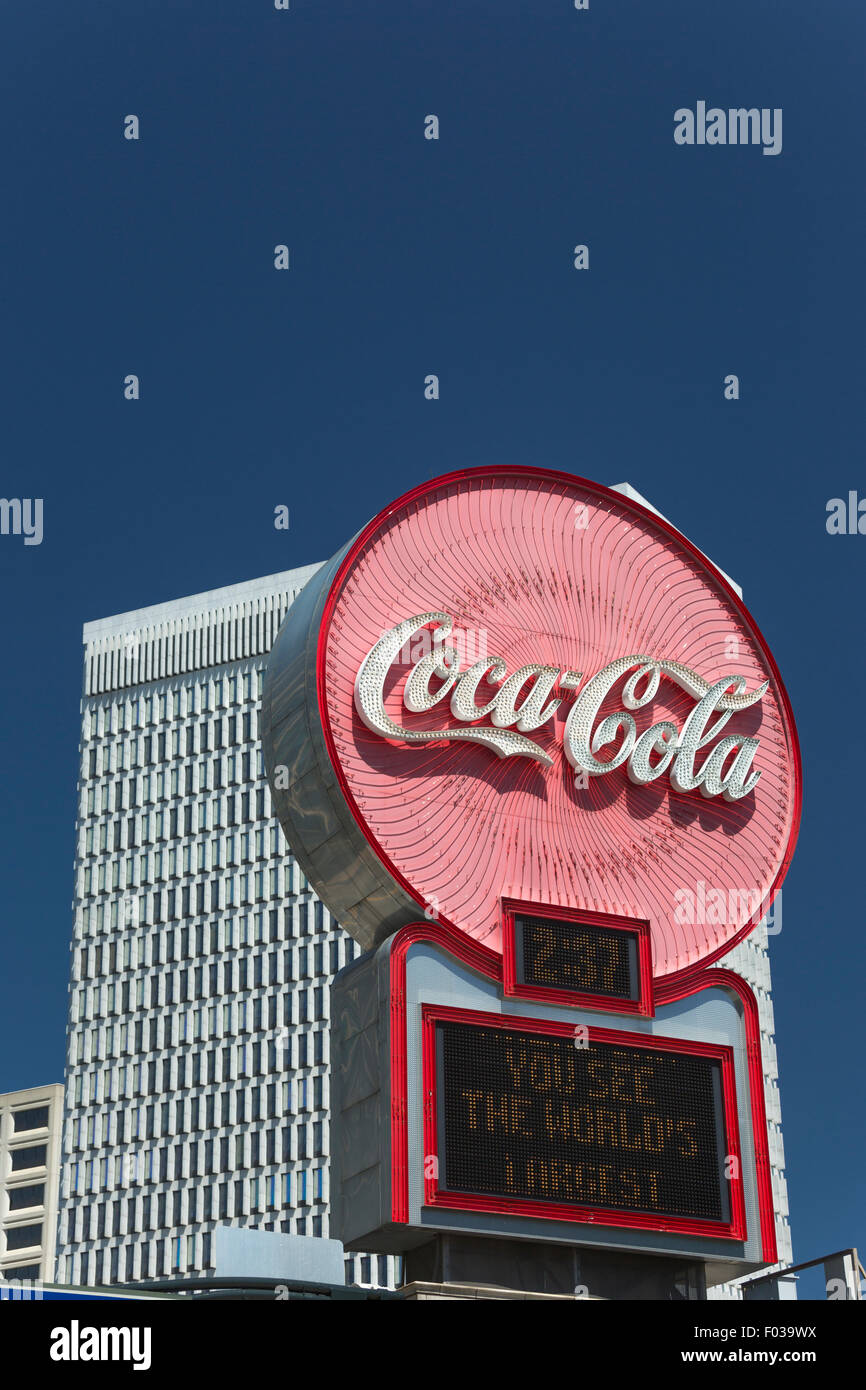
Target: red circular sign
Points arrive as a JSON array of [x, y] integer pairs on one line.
[[519, 686], [540, 569]]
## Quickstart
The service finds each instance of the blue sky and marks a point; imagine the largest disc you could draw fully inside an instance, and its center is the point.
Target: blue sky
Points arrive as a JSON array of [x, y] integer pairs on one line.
[[454, 257]]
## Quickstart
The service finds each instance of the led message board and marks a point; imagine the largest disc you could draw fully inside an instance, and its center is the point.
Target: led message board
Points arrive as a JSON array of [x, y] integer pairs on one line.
[[458, 1108], [609, 1123]]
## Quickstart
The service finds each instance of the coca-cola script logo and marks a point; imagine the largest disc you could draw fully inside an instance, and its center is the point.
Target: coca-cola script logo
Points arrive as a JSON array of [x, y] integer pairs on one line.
[[661, 748]]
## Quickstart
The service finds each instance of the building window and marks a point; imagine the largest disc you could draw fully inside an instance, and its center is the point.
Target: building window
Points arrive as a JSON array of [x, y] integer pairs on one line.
[[34, 1157], [30, 1119], [20, 1237], [20, 1197]]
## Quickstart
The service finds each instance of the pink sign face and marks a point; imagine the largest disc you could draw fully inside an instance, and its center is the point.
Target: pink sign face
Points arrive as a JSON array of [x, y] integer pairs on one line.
[[548, 788]]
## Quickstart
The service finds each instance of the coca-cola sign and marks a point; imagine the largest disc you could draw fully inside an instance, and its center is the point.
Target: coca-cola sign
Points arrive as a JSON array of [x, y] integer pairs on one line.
[[517, 684], [661, 748]]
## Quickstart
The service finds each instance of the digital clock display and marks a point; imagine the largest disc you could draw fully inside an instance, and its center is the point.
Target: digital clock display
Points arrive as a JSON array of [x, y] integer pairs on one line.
[[581, 957]]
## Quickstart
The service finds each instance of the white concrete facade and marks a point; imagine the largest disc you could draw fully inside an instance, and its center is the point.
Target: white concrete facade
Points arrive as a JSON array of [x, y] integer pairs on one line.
[[31, 1125]]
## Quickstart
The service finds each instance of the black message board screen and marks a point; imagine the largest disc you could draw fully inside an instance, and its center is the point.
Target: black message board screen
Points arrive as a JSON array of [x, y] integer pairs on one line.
[[577, 956], [533, 1117]]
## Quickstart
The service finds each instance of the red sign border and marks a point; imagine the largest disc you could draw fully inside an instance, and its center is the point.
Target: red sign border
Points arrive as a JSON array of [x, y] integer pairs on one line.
[[489, 963], [688, 972], [735, 1229], [638, 926]]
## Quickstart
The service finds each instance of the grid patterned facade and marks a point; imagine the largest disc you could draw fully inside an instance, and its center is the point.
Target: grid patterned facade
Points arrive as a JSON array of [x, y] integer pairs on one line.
[[197, 1049]]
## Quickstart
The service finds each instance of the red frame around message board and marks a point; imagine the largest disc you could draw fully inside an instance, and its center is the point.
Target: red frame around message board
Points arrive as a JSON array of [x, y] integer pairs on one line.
[[513, 908], [735, 1229]]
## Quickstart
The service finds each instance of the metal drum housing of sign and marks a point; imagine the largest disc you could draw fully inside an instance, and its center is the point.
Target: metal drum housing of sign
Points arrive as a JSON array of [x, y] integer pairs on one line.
[[516, 684]]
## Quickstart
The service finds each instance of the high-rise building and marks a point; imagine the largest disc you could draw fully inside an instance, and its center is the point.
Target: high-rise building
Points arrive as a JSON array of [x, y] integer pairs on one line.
[[30, 1129], [197, 1049]]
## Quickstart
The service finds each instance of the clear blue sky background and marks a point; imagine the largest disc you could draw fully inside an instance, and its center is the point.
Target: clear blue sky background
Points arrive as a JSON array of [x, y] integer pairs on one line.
[[411, 257]]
